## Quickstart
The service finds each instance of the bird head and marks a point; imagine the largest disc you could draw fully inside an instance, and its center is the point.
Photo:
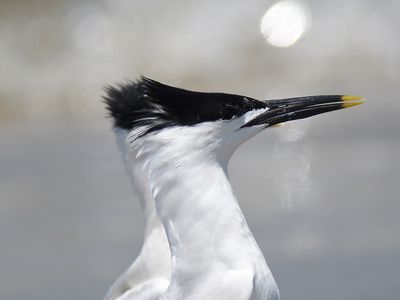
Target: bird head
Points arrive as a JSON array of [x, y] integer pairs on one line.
[[199, 122]]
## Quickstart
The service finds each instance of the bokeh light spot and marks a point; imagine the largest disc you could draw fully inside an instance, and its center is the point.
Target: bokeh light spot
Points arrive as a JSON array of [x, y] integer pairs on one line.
[[284, 23]]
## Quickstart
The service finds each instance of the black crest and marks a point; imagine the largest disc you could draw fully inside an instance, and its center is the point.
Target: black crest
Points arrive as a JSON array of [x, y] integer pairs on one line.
[[155, 105]]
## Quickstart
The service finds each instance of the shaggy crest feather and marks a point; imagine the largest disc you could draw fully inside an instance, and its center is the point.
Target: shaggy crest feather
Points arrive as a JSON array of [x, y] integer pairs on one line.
[[154, 106]]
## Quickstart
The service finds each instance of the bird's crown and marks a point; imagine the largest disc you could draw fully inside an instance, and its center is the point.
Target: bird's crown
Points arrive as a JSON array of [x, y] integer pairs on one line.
[[154, 106]]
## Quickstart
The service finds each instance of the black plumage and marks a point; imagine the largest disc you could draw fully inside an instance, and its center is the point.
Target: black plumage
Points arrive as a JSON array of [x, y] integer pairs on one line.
[[149, 103]]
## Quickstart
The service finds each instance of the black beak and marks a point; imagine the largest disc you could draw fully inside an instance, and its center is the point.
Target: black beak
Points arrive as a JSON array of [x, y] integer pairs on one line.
[[290, 109]]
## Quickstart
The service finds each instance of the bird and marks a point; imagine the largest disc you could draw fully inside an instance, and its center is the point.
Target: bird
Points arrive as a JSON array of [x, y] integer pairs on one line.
[[177, 144]]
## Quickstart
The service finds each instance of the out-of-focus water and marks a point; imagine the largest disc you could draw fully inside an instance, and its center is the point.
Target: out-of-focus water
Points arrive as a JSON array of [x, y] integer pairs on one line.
[[69, 224], [321, 196]]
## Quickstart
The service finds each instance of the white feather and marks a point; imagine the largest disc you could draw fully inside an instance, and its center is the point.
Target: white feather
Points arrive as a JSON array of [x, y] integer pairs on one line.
[[214, 254], [149, 274]]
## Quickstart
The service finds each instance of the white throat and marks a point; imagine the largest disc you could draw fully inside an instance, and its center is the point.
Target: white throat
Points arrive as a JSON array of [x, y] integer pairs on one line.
[[214, 254]]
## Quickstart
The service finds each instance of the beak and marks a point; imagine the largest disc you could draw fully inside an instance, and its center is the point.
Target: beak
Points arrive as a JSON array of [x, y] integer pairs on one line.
[[290, 109]]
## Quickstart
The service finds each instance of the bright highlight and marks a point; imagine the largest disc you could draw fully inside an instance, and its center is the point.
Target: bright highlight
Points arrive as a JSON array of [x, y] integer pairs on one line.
[[284, 23]]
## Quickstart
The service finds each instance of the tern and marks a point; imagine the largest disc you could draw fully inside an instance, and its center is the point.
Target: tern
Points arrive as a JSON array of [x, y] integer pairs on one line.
[[177, 145]]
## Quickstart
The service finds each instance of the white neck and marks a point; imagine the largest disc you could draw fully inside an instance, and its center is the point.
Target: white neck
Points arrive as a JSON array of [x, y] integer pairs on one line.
[[154, 260], [203, 220], [214, 254], [155, 257]]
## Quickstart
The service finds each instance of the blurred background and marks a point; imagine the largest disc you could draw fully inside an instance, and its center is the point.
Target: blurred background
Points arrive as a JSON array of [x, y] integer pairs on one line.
[[321, 195]]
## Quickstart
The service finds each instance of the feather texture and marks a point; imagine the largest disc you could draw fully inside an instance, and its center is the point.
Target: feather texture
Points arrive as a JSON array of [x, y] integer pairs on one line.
[[152, 105]]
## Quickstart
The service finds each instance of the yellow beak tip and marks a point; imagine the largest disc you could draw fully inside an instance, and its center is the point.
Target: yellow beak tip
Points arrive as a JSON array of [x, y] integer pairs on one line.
[[278, 125], [349, 101]]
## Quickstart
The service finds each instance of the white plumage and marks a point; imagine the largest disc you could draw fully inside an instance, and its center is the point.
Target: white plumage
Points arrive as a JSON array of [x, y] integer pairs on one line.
[[149, 275], [213, 253]]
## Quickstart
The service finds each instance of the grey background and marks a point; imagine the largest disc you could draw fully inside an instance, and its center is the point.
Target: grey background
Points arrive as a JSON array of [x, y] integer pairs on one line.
[[321, 196]]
